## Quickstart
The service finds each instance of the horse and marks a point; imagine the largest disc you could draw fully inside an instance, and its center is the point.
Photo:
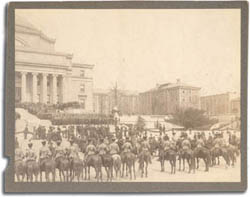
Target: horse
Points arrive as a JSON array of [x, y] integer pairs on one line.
[[189, 156], [168, 155], [204, 154], [144, 158], [63, 165], [20, 169], [94, 161], [76, 168], [48, 165], [128, 160], [107, 163], [216, 152], [32, 170], [117, 164]]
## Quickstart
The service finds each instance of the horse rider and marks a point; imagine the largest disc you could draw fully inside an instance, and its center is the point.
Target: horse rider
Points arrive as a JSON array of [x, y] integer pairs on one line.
[[102, 148], [113, 147], [90, 149], [30, 153], [199, 143], [19, 155], [59, 150], [127, 147], [44, 153], [145, 147], [73, 150], [186, 145]]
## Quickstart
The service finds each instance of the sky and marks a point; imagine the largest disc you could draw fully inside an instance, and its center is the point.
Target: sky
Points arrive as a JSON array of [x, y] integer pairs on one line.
[[140, 48]]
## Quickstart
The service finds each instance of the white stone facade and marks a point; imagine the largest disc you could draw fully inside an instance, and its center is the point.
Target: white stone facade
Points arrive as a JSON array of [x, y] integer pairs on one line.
[[46, 76]]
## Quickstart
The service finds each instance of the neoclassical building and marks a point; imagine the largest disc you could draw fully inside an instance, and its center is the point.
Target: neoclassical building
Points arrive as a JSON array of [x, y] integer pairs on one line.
[[45, 75]]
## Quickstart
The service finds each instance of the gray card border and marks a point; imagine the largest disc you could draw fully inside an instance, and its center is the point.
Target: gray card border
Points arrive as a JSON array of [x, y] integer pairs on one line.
[[143, 187]]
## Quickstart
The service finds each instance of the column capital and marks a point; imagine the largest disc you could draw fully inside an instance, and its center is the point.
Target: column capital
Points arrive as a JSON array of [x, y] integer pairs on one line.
[[23, 72], [54, 75], [45, 74], [35, 74]]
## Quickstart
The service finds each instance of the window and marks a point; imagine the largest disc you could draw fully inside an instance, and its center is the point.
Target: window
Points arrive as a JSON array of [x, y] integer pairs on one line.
[[82, 88], [82, 73], [82, 101]]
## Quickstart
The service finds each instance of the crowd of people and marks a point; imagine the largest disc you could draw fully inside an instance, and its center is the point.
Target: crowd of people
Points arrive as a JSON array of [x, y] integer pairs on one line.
[[95, 146]]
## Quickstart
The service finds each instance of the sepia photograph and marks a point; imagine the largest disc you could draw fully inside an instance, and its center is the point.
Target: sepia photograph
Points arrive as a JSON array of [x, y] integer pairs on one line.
[[127, 95]]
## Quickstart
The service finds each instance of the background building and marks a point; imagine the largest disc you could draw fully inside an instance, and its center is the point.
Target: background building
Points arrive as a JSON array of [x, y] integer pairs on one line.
[[126, 101], [168, 97], [43, 75], [221, 104]]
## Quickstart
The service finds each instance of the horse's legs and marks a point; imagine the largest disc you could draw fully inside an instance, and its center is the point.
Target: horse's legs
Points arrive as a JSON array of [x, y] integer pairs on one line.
[[171, 165], [107, 172], [134, 169], [88, 172], [162, 164], [123, 169], [18, 177], [206, 164], [130, 171], [100, 173], [183, 164], [198, 161], [60, 175], [41, 176], [179, 162], [127, 169], [146, 174]]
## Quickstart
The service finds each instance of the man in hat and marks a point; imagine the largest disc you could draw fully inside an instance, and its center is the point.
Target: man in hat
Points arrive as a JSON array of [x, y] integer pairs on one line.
[[44, 153], [199, 144], [145, 147], [102, 148], [59, 150], [30, 153], [186, 145], [90, 150], [113, 147], [127, 147], [73, 150]]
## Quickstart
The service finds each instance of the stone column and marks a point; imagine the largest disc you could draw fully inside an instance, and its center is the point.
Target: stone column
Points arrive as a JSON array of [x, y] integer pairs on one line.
[[23, 86], [63, 88], [54, 89], [34, 87], [44, 88]]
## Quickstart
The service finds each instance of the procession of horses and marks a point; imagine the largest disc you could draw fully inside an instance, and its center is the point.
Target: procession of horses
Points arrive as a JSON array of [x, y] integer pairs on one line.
[[94, 153]]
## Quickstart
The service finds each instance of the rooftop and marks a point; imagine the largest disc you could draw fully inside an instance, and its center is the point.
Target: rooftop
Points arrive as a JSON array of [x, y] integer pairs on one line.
[[168, 85]]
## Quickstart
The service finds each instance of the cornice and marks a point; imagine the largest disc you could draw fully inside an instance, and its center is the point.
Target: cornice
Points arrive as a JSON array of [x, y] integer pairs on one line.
[[30, 50]]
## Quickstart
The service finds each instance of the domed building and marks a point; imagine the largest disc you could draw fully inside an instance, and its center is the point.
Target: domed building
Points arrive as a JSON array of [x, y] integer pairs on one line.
[[43, 75]]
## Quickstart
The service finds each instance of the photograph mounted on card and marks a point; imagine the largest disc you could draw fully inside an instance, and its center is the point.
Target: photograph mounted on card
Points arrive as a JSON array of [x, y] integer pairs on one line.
[[126, 97]]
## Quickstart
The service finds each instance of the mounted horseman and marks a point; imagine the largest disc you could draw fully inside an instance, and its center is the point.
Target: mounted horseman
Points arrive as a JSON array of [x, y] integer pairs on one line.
[[62, 162], [107, 160], [46, 163], [144, 156], [20, 165], [187, 153], [114, 152], [128, 158], [32, 165], [200, 151], [93, 160]]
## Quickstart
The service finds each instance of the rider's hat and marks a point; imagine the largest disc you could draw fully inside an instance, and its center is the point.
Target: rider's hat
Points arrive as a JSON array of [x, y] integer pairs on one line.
[[44, 142]]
